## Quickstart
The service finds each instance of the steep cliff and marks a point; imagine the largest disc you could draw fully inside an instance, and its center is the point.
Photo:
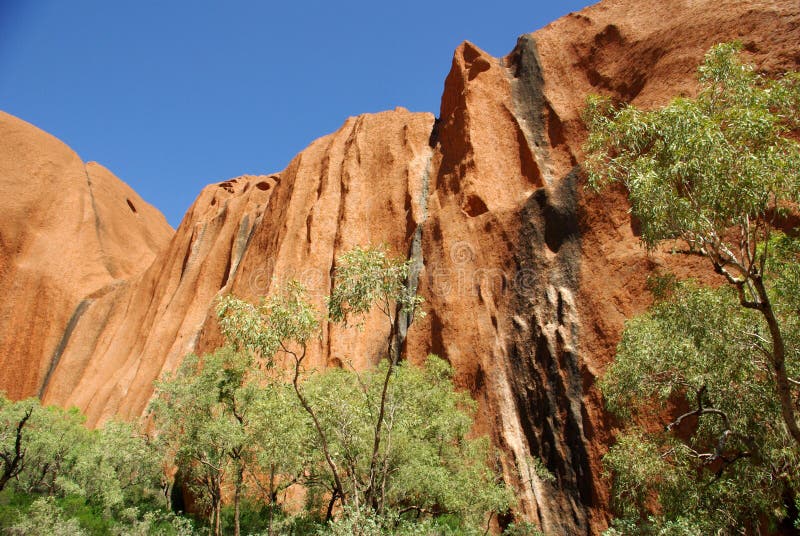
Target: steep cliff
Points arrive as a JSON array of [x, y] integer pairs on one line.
[[358, 185], [527, 276]]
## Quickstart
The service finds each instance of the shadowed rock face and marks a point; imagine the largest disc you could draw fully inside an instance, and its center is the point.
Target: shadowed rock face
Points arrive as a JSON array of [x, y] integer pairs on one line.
[[527, 277]]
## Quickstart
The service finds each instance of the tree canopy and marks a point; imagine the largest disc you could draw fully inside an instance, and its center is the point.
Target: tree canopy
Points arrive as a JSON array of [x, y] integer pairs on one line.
[[58, 477], [389, 445], [721, 173]]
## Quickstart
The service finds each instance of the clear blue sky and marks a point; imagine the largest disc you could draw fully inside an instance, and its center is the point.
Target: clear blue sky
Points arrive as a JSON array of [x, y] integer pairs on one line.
[[173, 95]]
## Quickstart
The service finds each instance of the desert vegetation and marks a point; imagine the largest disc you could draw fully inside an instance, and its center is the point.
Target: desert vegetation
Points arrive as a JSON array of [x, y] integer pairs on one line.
[[262, 445], [707, 380]]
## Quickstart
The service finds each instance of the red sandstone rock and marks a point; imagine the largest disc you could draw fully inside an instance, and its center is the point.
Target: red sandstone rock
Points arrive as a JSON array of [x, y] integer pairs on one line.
[[356, 186], [68, 230], [527, 277]]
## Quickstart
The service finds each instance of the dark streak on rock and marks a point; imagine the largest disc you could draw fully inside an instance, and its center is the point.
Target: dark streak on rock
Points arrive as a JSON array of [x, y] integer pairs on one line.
[[62, 344], [544, 363]]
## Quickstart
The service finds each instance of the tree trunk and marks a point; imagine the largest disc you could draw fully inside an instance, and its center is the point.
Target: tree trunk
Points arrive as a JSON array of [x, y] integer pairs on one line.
[[237, 500], [168, 495], [12, 465], [323, 440], [329, 512], [216, 508], [370, 495], [782, 385], [272, 498], [217, 515]]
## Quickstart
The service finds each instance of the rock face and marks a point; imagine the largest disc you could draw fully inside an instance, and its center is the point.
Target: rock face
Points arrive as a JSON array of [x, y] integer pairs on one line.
[[358, 185], [69, 231], [527, 277]]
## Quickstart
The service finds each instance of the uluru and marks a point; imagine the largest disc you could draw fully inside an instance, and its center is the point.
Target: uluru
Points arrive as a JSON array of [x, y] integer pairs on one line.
[[528, 275]]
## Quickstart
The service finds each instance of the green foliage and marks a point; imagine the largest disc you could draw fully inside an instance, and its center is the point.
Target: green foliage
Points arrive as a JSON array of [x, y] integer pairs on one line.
[[369, 276], [45, 518], [281, 430], [285, 319], [658, 527], [699, 167], [734, 461], [537, 468], [111, 467], [132, 522], [719, 173], [11, 504], [387, 443], [73, 515], [661, 285], [255, 515], [522, 529], [356, 523], [783, 269], [45, 441], [75, 480], [367, 523], [426, 461], [220, 423], [119, 467], [200, 407], [698, 338], [192, 411]]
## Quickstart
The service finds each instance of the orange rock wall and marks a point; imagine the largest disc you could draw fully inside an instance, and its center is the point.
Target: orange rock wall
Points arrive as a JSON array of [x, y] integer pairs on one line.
[[527, 276], [68, 230]]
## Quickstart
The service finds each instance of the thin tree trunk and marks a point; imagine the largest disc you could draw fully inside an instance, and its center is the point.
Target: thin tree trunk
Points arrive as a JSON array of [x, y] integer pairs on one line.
[[236, 501], [369, 497], [782, 385], [12, 465], [217, 515], [323, 440], [217, 498], [168, 494], [329, 512], [272, 498], [219, 518]]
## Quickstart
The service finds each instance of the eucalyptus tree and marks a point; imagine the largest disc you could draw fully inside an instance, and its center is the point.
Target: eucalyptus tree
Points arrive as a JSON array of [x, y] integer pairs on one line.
[[368, 278], [718, 173], [214, 415], [49, 457], [285, 322], [388, 441], [427, 459], [14, 418]]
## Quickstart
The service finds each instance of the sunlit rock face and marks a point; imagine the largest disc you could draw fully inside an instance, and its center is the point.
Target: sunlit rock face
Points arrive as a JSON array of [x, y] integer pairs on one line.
[[527, 276], [68, 231]]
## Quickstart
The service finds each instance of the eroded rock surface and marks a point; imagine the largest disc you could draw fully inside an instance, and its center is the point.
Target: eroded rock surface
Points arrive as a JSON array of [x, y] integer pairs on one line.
[[527, 276], [359, 185]]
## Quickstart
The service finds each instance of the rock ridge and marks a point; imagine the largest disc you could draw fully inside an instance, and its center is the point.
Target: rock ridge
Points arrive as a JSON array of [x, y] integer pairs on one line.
[[528, 276]]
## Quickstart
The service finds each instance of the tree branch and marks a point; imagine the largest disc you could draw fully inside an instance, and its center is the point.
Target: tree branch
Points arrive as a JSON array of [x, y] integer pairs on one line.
[[323, 439], [13, 466], [782, 384]]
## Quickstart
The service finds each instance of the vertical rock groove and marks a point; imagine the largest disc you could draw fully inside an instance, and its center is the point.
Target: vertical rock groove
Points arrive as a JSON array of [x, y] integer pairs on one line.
[[415, 255], [543, 350], [98, 225], [527, 82]]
